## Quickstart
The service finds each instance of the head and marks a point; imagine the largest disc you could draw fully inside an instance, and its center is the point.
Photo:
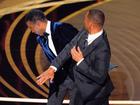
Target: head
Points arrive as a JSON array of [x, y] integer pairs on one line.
[[94, 20], [36, 21]]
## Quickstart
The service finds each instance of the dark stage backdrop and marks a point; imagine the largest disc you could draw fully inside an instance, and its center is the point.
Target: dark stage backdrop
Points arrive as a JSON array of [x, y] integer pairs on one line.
[[20, 61]]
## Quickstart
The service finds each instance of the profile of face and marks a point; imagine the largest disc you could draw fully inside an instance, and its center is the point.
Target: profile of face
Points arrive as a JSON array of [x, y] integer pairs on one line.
[[35, 27], [87, 22]]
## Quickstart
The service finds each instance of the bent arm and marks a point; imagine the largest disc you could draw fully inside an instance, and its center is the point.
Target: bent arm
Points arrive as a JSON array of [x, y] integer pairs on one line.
[[96, 69]]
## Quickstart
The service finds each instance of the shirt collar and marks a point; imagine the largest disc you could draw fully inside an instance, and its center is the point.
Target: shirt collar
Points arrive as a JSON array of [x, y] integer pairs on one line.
[[97, 34], [92, 37]]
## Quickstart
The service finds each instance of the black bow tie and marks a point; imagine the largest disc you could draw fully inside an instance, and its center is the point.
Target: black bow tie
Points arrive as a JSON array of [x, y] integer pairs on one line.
[[46, 35]]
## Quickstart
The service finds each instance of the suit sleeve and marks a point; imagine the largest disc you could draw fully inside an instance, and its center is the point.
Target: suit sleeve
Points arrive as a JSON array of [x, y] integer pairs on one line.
[[64, 55], [97, 68]]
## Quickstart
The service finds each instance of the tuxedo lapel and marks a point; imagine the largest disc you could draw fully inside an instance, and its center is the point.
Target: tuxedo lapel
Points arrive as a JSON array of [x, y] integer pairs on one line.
[[54, 36], [92, 46], [81, 40], [53, 31]]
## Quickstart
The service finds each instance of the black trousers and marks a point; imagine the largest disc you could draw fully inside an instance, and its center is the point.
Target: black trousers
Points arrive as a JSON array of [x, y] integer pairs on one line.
[[67, 87], [77, 100], [104, 101]]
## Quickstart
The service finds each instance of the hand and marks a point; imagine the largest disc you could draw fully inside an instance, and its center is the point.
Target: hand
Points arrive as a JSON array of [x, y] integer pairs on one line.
[[76, 54], [47, 75]]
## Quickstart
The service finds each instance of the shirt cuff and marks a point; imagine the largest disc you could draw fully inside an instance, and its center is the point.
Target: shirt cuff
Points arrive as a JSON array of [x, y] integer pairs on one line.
[[53, 67], [80, 61]]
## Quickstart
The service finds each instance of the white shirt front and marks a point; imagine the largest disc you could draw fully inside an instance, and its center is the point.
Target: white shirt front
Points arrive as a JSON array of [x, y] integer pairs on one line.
[[92, 37], [50, 42]]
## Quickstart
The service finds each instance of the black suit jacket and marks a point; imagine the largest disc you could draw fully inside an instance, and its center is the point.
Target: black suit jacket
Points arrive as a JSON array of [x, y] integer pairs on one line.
[[91, 75], [62, 33]]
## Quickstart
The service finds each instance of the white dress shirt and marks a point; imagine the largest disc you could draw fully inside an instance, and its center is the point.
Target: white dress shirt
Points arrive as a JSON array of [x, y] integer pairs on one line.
[[92, 37], [50, 42]]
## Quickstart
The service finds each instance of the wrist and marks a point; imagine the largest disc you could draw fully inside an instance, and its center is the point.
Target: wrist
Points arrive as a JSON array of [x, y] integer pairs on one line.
[[53, 68], [80, 61]]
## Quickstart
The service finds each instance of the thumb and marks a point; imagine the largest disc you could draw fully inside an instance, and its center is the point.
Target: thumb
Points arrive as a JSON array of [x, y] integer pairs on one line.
[[51, 79]]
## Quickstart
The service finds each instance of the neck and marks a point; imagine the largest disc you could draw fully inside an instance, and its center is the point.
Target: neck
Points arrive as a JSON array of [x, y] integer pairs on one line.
[[94, 31]]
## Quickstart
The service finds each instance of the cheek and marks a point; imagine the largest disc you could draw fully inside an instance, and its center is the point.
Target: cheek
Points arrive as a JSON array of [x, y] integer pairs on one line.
[[32, 29], [36, 28], [86, 25]]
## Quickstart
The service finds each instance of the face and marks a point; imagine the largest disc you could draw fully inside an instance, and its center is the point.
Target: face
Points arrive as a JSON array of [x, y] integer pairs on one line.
[[35, 27], [86, 22]]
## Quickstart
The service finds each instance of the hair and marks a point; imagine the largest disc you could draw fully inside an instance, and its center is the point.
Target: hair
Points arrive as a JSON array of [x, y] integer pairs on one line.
[[35, 15], [96, 16]]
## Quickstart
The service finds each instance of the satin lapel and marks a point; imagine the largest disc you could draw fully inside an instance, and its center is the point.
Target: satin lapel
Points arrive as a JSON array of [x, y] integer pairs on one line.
[[52, 31], [54, 36]]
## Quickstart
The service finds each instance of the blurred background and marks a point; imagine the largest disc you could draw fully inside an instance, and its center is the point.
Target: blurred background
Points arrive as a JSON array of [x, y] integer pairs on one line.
[[22, 59]]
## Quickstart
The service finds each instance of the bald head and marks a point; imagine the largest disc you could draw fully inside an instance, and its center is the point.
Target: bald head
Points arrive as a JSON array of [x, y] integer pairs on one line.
[[97, 17]]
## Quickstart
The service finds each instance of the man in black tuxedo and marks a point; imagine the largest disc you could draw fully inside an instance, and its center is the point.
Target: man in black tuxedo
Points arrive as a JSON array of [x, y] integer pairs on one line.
[[91, 54], [52, 37]]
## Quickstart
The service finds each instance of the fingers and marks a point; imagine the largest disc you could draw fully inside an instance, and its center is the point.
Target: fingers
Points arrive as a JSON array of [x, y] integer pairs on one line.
[[42, 80], [79, 50], [49, 74], [74, 51], [51, 78], [38, 77], [41, 75], [51, 81]]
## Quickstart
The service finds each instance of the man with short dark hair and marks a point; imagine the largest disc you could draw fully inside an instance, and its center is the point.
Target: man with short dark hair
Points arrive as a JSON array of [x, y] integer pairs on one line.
[[90, 51], [52, 37]]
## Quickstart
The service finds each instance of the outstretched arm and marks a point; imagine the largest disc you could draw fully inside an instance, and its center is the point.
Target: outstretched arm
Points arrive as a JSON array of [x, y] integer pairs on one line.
[[63, 56]]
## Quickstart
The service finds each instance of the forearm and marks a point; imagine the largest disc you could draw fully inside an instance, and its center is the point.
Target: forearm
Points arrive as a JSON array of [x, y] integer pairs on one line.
[[64, 55]]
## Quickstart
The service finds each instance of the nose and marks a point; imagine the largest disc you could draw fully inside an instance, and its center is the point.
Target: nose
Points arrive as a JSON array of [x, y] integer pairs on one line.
[[33, 31]]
